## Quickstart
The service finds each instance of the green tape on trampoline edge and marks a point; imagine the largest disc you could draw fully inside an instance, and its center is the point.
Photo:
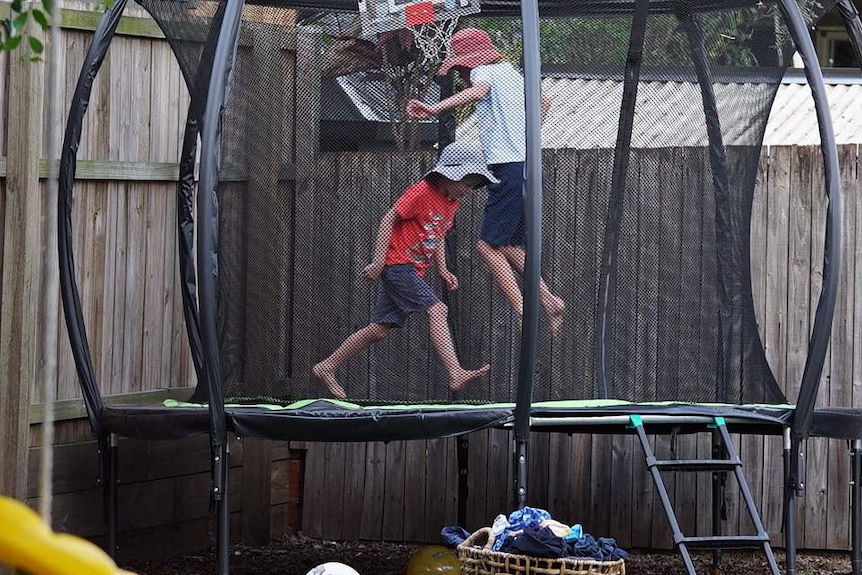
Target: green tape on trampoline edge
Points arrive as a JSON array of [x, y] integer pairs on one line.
[[570, 404], [636, 420], [296, 405]]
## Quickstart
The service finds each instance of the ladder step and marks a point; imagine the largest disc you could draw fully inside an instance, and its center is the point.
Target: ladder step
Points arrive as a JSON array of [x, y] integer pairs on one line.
[[697, 464], [726, 541]]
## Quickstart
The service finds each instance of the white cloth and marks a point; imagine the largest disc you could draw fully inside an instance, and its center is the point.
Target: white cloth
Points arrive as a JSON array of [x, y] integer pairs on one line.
[[500, 114]]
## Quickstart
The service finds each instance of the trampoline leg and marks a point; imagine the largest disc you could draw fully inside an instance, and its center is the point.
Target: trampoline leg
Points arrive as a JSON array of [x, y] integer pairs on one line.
[[112, 465], [462, 451], [855, 500], [222, 466], [789, 509], [520, 473]]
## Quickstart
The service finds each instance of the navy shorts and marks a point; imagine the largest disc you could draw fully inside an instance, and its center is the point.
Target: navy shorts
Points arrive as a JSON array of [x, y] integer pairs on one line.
[[503, 224], [401, 293]]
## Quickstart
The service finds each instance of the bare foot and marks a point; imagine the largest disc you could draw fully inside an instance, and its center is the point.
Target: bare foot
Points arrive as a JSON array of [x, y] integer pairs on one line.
[[556, 315], [327, 375], [464, 376]]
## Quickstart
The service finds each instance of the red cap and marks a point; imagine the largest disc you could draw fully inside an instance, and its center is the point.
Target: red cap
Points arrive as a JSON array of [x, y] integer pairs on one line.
[[469, 48]]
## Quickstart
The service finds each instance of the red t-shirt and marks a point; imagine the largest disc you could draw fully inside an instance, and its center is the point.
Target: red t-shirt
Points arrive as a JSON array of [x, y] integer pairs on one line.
[[426, 215]]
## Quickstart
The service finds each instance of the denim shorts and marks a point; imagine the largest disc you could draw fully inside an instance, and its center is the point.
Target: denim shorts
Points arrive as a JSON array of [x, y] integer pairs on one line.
[[503, 223], [400, 293]]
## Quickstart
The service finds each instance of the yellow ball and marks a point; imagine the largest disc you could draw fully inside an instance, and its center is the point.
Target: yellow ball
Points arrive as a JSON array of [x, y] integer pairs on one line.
[[434, 560]]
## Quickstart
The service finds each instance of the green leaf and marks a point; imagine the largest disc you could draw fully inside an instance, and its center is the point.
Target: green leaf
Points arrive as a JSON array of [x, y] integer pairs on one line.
[[20, 21], [47, 5], [35, 59], [17, 5], [35, 45], [109, 3], [40, 18], [11, 43]]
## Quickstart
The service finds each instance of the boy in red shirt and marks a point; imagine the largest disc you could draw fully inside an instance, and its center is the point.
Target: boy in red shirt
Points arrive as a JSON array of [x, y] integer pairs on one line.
[[411, 236]]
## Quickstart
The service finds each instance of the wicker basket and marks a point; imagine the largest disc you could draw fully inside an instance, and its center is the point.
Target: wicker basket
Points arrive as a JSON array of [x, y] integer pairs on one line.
[[484, 561]]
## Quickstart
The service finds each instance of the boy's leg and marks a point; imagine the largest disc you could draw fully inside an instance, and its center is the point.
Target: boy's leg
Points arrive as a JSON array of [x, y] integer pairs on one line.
[[501, 222], [554, 305], [438, 324], [504, 276], [325, 370]]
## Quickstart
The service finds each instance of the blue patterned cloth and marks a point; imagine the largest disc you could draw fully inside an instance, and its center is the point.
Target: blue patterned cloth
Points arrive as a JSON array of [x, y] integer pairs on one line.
[[605, 549], [520, 520]]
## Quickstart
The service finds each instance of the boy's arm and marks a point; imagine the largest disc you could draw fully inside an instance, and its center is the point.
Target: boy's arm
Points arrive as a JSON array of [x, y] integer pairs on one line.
[[442, 268], [474, 93], [384, 235]]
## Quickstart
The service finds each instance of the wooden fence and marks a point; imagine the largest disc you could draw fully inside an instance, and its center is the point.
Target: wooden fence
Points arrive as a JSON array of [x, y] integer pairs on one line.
[[408, 490], [124, 222]]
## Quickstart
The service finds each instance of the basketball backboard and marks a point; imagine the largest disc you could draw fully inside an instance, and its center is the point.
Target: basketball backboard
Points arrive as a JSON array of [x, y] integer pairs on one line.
[[382, 15]]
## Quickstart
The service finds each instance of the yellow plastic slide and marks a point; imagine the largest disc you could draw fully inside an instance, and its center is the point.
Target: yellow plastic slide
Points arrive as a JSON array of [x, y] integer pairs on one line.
[[27, 543]]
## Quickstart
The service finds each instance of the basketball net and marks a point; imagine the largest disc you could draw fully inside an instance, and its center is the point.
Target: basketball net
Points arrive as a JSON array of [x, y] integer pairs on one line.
[[430, 36]]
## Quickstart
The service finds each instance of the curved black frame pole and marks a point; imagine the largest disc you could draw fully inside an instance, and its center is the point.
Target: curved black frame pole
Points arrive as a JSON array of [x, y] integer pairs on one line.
[[831, 261], [207, 248], [185, 248], [197, 86], [68, 160], [207, 259], [622, 151], [533, 256], [724, 247], [72, 312], [832, 248]]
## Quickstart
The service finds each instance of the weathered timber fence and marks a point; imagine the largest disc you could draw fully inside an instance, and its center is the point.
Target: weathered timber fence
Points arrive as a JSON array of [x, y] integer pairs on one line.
[[409, 490]]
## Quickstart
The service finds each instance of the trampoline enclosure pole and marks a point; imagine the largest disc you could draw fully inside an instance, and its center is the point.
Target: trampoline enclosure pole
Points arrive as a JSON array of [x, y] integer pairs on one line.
[[223, 508], [207, 257], [111, 492], [533, 261], [789, 506], [72, 311], [832, 245], [831, 261]]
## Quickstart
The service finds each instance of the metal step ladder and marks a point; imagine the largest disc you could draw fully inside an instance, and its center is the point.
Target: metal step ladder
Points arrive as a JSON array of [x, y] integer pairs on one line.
[[732, 463]]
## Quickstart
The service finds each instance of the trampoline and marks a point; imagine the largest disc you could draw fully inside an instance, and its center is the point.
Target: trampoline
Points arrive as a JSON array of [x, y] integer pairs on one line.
[[647, 242]]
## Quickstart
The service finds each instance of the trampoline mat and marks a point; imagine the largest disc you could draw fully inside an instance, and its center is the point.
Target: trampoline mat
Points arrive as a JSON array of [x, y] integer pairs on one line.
[[332, 420]]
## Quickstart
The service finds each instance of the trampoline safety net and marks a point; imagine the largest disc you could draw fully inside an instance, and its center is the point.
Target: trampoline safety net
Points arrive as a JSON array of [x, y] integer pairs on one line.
[[645, 246]]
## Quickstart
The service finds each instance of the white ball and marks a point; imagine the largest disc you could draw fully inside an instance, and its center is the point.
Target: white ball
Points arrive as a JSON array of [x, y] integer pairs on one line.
[[333, 568]]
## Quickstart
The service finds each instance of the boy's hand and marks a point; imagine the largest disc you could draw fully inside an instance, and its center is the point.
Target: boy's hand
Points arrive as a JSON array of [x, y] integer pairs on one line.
[[450, 279], [419, 109], [372, 271]]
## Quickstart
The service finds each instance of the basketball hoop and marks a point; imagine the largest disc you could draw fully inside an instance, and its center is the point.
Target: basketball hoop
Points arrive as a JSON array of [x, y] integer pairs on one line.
[[430, 36], [432, 22]]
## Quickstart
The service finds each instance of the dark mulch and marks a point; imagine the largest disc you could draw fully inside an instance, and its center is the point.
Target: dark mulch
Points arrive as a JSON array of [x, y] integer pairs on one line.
[[296, 554]]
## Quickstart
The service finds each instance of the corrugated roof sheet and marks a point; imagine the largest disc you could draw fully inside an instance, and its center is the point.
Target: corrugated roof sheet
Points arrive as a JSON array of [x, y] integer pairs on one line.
[[585, 113]]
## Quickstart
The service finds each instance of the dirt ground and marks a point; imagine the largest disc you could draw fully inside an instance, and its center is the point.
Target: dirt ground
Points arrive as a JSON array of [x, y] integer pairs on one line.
[[296, 555]]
